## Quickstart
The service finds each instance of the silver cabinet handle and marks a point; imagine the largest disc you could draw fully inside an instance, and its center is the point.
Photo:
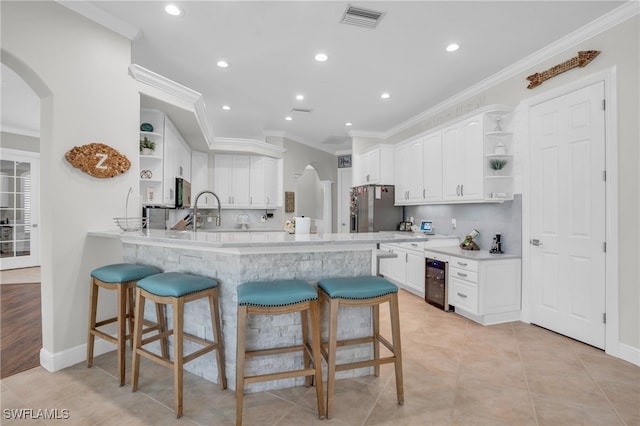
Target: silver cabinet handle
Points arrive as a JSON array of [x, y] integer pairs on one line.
[[414, 244], [460, 274], [424, 193], [462, 264], [458, 190], [535, 242], [464, 296], [462, 190]]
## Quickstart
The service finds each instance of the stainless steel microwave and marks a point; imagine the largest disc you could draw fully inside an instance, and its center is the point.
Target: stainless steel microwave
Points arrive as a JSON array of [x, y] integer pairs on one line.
[[183, 193]]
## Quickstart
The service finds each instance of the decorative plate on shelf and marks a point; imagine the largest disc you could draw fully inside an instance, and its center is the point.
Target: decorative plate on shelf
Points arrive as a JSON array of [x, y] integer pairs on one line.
[[146, 127]]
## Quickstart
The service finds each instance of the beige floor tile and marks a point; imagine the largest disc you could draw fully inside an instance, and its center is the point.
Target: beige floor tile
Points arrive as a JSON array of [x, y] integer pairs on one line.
[[456, 372]]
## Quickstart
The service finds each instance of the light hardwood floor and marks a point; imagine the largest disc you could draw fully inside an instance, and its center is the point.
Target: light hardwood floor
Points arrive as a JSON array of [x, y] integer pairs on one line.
[[456, 372]]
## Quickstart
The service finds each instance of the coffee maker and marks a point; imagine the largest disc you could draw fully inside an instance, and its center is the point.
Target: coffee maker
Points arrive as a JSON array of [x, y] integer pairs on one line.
[[496, 245]]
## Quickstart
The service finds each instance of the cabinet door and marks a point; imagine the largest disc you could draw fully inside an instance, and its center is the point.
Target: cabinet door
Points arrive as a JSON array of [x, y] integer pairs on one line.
[[199, 177], [472, 148], [415, 271], [414, 173], [500, 287], [385, 266], [463, 295], [399, 266], [222, 178], [432, 167], [401, 176], [240, 182], [272, 182], [452, 160], [373, 166], [257, 185]]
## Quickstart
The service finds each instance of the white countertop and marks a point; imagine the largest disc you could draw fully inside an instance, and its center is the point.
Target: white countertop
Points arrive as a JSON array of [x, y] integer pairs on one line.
[[251, 239], [472, 254]]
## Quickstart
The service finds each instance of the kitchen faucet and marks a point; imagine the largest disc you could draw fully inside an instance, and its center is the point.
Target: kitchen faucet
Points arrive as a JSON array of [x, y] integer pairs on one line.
[[195, 209]]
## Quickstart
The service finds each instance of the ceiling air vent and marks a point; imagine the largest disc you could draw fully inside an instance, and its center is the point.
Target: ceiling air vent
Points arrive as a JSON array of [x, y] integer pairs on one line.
[[361, 17], [301, 111]]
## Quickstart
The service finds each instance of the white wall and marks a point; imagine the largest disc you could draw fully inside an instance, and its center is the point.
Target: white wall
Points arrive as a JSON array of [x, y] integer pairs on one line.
[[79, 70]]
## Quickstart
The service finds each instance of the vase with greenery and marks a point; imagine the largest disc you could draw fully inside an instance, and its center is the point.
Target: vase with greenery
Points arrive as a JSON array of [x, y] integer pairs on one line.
[[147, 146], [497, 164]]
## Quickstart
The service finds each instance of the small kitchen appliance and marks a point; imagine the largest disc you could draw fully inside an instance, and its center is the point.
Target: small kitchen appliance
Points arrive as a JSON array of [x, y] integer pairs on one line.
[[426, 226], [183, 193], [496, 245]]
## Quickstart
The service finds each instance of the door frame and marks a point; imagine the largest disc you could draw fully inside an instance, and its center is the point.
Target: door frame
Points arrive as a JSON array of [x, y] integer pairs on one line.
[[609, 77]]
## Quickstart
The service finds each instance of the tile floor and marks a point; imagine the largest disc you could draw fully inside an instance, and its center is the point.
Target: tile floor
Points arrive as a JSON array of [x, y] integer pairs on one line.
[[456, 372]]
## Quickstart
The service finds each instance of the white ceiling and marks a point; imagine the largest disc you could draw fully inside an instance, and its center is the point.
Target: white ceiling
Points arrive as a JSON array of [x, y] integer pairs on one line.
[[271, 47]]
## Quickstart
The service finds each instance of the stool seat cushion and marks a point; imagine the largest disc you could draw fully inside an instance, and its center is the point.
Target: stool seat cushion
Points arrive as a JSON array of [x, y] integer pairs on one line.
[[275, 293], [176, 284], [123, 272], [366, 287]]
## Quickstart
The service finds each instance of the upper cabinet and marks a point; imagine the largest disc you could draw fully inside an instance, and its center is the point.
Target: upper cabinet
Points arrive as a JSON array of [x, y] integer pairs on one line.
[[462, 152], [374, 166], [247, 181], [470, 160], [169, 158]]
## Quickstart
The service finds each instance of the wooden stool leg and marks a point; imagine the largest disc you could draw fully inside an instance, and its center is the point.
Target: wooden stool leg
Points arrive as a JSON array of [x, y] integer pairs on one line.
[[304, 323], [331, 361], [397, 347], [137, 339], [240, 352], [122, 293], [178, 331], [130, 310], [161, 318], [317, 357], [217, 336], [93, 311], [375, 312]]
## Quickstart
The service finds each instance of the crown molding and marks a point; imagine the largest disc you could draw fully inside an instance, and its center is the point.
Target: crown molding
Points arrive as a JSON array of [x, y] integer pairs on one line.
[[246, 146], [99, 16], [366, 134], [193, 101], [598, 26], [20, 131]]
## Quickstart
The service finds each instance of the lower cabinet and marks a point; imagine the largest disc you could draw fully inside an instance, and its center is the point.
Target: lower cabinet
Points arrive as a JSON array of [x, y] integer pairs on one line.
[[488, 292], [407, 269]]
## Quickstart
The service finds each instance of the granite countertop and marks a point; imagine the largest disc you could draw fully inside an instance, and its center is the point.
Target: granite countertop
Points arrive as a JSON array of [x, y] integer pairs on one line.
[[472, 254], [251, 239]]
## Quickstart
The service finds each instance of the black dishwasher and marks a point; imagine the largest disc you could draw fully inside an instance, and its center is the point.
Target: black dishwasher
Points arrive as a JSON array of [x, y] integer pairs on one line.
[[435, 284]]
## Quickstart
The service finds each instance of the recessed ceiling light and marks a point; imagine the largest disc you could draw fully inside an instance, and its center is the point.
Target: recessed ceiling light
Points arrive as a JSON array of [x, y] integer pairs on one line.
[[321, 57], [348, 123], [288, 118], [385, 95], [299, 97], [222, 64], [226, 107], [453, 47], [173, 10]]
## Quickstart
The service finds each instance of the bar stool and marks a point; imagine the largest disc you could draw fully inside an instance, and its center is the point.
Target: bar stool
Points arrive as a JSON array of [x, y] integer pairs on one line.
[[276, 298], [361, 291], [121, 277], [176, 289]]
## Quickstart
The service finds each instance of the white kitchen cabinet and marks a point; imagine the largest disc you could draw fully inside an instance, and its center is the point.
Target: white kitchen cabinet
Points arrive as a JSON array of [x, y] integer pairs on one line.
[[231, 180], [432, 167], [200, 179], [408, 177], [486, 291], [264, 182], [248, 181], [462, 160], [374, 166]]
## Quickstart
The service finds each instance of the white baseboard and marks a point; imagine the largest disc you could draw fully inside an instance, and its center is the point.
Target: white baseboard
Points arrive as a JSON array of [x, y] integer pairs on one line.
[[627, 353], [57, 361]]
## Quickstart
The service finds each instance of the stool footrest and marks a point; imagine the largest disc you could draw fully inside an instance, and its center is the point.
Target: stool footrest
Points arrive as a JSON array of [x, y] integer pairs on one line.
[[365, 363], [281, 375], [109, 321], [274, 351], [105, 336], [154, 357], [157, 337]]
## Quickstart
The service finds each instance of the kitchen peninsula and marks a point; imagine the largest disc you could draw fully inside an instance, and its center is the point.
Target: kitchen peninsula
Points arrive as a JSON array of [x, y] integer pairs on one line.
[[233, 258]]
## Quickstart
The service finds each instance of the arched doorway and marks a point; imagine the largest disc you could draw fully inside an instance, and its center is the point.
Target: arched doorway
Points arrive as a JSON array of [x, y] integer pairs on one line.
[[313, 199]]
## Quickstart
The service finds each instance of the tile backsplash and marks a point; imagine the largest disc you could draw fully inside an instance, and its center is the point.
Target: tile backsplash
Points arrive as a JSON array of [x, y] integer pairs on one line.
[[488, 218]]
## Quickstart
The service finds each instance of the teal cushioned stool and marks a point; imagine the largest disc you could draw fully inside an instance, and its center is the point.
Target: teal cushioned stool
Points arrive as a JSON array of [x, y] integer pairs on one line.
[[277, 298], [361, 291], [121, 277], [176, 289]]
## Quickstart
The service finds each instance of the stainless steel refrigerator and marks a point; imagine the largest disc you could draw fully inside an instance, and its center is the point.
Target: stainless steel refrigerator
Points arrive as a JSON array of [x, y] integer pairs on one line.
[[372, 209]]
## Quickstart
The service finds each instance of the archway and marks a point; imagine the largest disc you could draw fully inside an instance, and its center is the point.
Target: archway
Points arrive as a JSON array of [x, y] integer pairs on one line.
[[313, 199]]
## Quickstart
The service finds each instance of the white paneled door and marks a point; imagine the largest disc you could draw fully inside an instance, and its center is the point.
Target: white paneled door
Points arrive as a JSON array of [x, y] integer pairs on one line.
[[19, 209], [567, 226]]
